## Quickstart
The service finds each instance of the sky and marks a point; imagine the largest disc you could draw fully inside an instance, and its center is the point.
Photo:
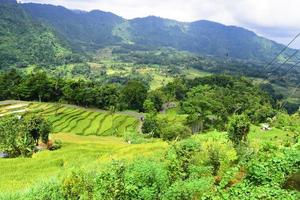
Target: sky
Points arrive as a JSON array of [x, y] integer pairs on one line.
[[278, 20]]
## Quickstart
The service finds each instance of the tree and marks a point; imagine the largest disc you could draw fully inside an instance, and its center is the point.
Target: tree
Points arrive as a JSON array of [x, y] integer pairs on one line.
[[195, 122], [40, 86], [157, 97], [15, 137], [38, 127], [238, 129], [174, 131], [151, 125], [45, 129], [133, 95], [149, 106]]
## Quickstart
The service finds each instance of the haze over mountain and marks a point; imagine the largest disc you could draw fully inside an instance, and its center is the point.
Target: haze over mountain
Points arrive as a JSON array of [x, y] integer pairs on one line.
[[90, 31], [274, 19]]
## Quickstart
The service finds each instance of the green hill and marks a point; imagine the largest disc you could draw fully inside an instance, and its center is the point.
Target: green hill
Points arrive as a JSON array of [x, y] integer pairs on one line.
[[24, 41], [97, 29]]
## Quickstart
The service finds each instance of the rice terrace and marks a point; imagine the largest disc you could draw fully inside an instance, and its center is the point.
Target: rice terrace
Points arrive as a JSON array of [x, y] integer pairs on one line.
[[78, 129]]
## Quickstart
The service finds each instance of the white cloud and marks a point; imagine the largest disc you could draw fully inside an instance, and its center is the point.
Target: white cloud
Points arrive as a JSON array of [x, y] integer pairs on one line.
[[277, 19]]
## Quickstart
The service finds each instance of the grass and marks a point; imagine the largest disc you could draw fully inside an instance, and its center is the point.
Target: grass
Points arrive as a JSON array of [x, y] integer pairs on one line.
[[84, 147], [74, 126], [84, 152]]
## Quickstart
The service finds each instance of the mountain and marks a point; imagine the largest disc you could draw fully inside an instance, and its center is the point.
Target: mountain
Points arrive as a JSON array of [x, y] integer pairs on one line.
[[83, 30], [96, 29], [23, 41], [49, 35]]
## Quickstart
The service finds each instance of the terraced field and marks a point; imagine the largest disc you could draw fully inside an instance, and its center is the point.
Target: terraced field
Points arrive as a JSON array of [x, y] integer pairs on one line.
[[81, 132], [72, 119]]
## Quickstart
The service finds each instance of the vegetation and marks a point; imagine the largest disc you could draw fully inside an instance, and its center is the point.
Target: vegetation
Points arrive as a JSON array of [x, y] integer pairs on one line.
[[88, 31], [185, 170], [20, 137], [25, 42], [137, 109]]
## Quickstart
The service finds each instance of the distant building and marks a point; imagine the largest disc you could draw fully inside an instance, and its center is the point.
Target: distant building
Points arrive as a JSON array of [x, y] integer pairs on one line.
[[265, 127]]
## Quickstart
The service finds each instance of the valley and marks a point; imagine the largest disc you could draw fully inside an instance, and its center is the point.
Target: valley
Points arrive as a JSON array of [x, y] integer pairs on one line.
[[97, 106]]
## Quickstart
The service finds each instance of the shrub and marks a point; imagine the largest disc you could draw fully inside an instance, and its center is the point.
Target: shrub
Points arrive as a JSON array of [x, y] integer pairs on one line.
[[56, 145], [174, 131], [133, 137], [272, 170], [190, 189], [238, 129], [214, 159], [110, 184], [45, 191], [179, 159], [146, 179], [77, 185], [15, 138]]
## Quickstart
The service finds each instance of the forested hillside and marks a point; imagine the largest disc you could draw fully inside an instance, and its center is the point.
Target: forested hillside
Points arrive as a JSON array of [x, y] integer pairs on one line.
[[85, 31], [23, 41], [96, 29]]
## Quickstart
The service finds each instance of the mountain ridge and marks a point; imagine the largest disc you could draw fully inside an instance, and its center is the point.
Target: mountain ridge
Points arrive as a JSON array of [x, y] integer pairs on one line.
[[96, 29], [88, 32]]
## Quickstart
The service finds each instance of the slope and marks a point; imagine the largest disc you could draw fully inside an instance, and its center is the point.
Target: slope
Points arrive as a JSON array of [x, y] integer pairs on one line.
[[24, 42], [97, 29]]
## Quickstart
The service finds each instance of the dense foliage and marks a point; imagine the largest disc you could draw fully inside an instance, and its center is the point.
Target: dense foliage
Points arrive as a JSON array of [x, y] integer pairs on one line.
[[186, 171], [23, 41], [38, 86], [20, 136], [208, 102]]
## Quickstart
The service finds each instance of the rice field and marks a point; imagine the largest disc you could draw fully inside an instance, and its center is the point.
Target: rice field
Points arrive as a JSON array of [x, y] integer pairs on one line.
[[77, 120], [89, 153], [84, 146]]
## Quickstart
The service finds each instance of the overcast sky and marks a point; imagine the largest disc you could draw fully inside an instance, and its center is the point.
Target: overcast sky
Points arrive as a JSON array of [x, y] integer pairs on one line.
[[275, 19]]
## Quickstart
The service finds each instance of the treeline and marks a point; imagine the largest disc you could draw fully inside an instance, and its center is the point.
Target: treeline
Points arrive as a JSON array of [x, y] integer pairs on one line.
[[38, 86], [228, 65], [208, 102]]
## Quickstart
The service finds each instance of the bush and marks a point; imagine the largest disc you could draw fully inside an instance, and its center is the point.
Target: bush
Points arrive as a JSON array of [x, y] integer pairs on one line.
[[146, 179], [110, 184], [248, 191], [151, 125], [78, 185], [56, 145], [45, 191], [174, 131], [214, 159], [179, 159], [238, 129], [190, 189], [273, 169], [15, 137], [133, 137]]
